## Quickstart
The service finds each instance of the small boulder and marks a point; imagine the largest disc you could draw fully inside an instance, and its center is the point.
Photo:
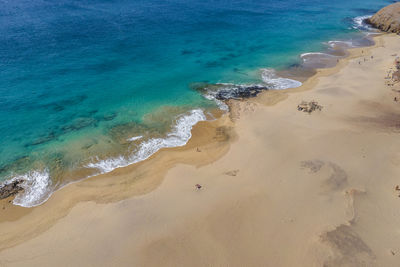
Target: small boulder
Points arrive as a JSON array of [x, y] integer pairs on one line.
[[309, 106], [8, 189]]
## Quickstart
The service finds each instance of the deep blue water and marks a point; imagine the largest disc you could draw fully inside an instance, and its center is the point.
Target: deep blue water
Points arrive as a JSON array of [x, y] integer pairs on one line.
[[78, 78]]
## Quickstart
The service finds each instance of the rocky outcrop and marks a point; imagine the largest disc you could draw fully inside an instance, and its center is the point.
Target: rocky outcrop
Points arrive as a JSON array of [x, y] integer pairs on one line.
[[229, 91], [387, 19], [309, 106], [10, 188]]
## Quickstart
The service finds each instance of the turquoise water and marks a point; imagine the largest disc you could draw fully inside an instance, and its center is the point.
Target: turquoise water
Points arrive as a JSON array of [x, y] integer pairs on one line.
[[88, 86]]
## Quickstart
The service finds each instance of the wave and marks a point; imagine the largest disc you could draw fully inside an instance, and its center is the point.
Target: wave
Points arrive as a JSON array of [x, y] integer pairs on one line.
[[269, 77], [37, 185], [305, 55], [220, 92], [360, 23], [134, 138], [180, 135], [221, 105], [36, 188], [344, 44], [319, 60]]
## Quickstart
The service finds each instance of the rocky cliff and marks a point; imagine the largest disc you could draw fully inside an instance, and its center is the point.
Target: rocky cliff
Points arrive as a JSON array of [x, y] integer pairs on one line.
[[387, 19]]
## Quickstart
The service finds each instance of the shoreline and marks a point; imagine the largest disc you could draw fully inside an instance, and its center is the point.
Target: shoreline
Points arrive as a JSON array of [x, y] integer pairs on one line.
[[219, 141], [108, 165], [266, 97]]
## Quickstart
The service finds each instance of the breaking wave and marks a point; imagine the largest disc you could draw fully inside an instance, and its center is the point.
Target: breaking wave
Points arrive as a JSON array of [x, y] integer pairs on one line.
[[179, 136], [134, 138], [37, 185], [361, 24], [275, 82], [36, 188]]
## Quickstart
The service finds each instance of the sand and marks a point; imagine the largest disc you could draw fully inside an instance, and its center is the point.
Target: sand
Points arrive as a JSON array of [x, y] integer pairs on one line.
[[280, 187]]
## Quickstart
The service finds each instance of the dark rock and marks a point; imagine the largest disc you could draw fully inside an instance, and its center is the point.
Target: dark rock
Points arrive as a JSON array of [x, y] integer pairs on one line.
[[387, 19], [63, 104], [10, 188], [78, 124], [309, 106], [109, 116], [43, 139], [240, 92], [396, 76], [187, 52], [228, 91]]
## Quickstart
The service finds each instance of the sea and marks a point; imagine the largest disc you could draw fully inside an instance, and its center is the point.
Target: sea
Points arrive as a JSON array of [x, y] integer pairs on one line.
[[90, 86]]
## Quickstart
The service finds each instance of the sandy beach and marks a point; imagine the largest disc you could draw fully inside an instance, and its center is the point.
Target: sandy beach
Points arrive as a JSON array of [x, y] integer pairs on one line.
[[280, 187]]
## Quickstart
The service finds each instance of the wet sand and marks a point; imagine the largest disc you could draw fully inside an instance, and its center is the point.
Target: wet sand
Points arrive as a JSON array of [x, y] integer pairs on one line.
[[280, 187]]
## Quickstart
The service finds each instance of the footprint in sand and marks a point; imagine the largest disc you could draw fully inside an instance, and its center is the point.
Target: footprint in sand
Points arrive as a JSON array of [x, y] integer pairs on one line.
[[232, 173]]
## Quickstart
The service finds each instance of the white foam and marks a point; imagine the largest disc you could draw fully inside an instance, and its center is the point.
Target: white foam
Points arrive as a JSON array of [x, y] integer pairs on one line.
[[220, 104], [37, 184], [36, 187], [315, 53], [307, 56], [348, 44], [134, 138], [269, 77], [359, 23], [179, 136]]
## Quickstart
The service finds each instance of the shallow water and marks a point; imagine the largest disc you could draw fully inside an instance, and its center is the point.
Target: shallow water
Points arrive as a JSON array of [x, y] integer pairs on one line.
[[81, 79]]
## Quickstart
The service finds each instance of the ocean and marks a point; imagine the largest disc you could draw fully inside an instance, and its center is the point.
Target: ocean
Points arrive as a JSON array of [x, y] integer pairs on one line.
[[90, 86]]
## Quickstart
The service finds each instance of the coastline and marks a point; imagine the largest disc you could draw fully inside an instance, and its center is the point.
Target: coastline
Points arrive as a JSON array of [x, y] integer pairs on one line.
[[36, 186], [264, 97], [219, 143]]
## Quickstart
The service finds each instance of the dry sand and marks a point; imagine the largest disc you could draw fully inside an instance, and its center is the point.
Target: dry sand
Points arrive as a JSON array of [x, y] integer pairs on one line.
[[280, 187]]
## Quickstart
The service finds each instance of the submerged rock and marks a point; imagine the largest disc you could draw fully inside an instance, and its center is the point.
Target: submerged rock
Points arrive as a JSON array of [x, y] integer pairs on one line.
[[387, 19], [109, 116], [10, 188], [79, 123]]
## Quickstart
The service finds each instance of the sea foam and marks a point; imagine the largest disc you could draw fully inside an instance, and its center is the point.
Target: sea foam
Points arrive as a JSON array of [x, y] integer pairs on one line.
[[269, 77], [36, 185], [344, 44], [179, 136], [134, 138], [360, 24], [310, 54]]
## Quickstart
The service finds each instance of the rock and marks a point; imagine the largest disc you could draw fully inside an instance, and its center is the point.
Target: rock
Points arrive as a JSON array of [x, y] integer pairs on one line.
[[387, 19], [109, 116], [79, 123], [396, 76], [397, 63], [8, 189], [309, 106], [240, 92], [229, 91]]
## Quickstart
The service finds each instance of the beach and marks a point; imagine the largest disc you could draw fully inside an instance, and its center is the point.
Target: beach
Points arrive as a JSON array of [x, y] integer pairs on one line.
[[279, 186]]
